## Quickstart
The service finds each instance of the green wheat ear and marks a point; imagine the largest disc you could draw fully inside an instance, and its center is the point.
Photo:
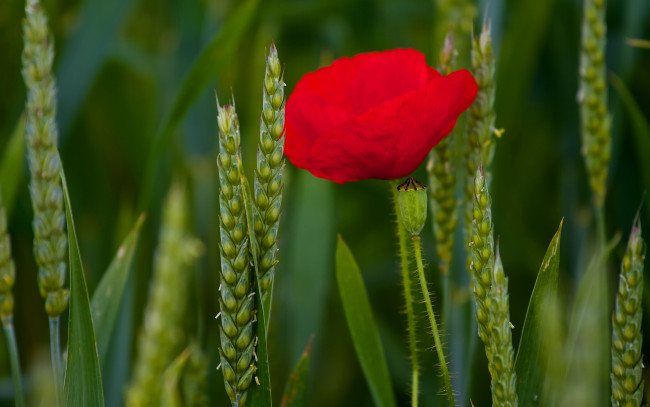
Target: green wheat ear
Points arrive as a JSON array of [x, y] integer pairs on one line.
[[442, 178], [481, 261], [236, 298], [162, 335], [592, 96], [627, 338], [7, 270], [41, 136], [268, 174], [480, 136], [502, 364]]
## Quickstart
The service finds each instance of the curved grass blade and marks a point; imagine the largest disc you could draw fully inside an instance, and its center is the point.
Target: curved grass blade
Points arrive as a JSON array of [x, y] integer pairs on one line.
[[108, 294], [295, 392], [529, 377], [11, 167], [83, 381], [260, 392], [171, 396], [213, 57], [362, 326]]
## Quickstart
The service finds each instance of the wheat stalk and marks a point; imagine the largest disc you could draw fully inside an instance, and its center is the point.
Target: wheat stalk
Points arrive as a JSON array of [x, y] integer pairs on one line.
[[442, 178], [7, 279], [236, 289], [592, 96], [482, 256], [502, 364], [162, 336], [268, 174], [627, 338], [480, 134]]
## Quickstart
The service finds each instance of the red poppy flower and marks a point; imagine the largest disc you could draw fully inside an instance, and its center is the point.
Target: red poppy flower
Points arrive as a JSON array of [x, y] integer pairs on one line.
[[375, 115]]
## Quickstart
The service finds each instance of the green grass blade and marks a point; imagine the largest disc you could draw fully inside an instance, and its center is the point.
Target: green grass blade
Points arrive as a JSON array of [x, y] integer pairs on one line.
[[171, 396], [212, 59], [11, 167], [362, 326], [529, 376], [83, 381], [295, 392], [260, 391], [310, 247], [108, 294]]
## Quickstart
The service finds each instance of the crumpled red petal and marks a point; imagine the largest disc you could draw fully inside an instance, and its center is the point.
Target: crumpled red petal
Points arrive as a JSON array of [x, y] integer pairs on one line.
[[376, 115]]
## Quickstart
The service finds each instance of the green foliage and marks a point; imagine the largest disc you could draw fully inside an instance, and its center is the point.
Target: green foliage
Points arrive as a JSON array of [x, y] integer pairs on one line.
[[295, 391], [108, 294], [361, 324], [11, 174], [83, 381], [530, 354]]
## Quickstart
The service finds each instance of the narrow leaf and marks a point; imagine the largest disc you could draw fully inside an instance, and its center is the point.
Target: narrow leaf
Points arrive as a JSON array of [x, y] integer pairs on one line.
[[260, 392], [108, 294], [529, 377], [171, 396], [362, 326], [11, 167], [295, 392], [212, 59], [83, 381]]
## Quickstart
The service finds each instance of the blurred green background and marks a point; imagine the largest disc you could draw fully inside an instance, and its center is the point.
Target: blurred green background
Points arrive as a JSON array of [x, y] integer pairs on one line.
[[119, 66]]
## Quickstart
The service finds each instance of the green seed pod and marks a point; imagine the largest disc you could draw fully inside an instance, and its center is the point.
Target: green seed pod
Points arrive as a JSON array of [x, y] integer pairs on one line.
[[412, 203], [41, 136], [592, 96], [236, 303], [442, 177], [481, 261], [162, 335], [481, 133], [627, 338], [268, 174], [502, 366]]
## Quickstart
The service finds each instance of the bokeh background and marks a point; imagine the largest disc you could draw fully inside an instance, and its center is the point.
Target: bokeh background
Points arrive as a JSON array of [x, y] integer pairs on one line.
[[119, 66]]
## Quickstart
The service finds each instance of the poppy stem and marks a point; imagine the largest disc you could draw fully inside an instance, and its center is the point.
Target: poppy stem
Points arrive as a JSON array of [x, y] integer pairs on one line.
[[408, 298], [417, 248]]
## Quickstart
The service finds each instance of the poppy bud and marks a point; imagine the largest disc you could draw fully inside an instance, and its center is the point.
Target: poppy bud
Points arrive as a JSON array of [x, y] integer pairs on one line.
[[412, 203]]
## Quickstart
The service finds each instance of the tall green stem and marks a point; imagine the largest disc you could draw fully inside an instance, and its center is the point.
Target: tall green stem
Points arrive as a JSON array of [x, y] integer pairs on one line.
[[408, 298], [417, 248], [8, 326], [600, 224], [57, 363]]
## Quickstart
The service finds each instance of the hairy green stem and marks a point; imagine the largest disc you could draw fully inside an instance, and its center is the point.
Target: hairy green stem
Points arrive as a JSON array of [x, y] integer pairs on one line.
[[408, 298], [417, 248], [12, 348], [57, 362]]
